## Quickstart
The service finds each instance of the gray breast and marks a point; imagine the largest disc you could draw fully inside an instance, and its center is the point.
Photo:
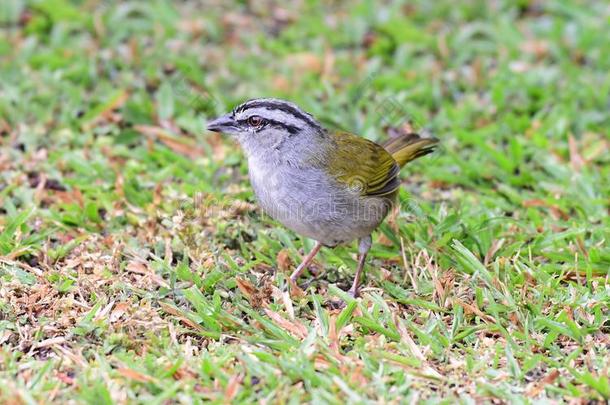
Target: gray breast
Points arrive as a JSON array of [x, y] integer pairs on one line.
[[308, 202]]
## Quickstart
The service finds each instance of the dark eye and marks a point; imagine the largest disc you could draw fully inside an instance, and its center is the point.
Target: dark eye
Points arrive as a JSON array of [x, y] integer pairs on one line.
[[255, 121]]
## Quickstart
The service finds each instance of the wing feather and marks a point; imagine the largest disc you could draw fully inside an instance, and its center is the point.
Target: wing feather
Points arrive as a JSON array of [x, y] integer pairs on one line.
[[363, 164]]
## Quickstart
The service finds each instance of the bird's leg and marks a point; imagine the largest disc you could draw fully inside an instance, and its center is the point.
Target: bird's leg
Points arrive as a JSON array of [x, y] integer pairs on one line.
[[364, 245], [306, 260]]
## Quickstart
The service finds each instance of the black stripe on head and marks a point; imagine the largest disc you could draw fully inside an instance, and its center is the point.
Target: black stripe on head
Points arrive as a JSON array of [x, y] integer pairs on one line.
[[284, 106], [292, 129]]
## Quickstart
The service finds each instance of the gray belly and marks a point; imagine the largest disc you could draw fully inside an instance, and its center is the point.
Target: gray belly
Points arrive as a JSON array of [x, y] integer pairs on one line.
[[309, 203]]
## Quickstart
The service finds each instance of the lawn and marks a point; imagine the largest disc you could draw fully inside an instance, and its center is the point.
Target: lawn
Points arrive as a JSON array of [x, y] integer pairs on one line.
[[136, 267]]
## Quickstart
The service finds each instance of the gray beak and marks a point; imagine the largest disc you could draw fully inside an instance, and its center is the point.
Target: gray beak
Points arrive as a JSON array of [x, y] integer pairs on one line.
[[222, 124]]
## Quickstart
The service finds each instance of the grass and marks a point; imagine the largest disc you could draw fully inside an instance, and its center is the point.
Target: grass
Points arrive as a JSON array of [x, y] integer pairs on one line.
[[135, 266]]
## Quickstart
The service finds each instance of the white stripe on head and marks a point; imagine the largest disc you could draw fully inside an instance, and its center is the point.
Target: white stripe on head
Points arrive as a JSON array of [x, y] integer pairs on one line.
[[277, 110]]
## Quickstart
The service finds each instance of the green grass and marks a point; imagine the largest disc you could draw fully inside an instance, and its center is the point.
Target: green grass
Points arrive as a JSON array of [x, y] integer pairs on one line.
[[136, 267]]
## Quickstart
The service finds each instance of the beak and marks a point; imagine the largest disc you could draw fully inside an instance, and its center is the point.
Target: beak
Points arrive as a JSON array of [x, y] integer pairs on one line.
[[222, 124]]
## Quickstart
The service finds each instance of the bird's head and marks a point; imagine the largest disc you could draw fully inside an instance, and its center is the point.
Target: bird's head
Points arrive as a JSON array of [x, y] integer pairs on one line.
[[266, 125]]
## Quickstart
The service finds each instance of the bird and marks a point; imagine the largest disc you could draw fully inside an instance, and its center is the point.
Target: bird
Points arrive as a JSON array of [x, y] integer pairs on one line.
[[328, 185]]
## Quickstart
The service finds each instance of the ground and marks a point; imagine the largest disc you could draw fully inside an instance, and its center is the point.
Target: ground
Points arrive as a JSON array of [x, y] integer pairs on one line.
[[136, 267]]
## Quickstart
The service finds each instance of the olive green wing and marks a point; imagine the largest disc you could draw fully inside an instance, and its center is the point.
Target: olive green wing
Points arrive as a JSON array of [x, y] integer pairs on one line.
[[363, 165]]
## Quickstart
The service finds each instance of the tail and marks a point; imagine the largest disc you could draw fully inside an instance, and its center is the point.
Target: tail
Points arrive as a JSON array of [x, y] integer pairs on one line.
[[405, 148]]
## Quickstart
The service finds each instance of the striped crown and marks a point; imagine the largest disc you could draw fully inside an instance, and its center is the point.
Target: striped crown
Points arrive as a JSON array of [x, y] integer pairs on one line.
[[277, 113]]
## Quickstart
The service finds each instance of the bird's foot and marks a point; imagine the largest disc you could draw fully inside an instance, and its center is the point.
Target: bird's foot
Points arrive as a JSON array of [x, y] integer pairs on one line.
[[295, 290], [336, 304]]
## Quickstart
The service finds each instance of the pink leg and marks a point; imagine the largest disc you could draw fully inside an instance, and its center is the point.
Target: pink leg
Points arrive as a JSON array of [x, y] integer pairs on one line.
[[306, 261], [354, 290], [363, 249]]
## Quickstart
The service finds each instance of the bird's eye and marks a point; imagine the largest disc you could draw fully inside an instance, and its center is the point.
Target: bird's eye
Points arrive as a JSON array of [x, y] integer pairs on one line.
[[255, 121]]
